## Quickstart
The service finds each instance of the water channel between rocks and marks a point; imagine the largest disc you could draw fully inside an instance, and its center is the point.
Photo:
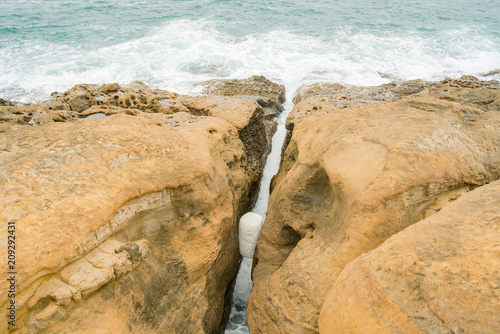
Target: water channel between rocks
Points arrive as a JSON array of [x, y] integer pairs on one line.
[[237, 321]]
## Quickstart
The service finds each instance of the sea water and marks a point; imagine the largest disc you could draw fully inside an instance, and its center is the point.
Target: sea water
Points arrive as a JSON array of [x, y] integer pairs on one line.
[[51, 45]]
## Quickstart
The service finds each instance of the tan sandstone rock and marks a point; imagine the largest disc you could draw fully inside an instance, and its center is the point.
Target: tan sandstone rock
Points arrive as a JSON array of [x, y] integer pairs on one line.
[[441, 275], [352, 177], [226, 100], [125, 224], [270, 96], [256, 85]]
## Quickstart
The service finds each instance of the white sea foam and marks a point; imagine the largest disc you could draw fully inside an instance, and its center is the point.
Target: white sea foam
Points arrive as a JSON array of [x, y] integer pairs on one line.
[[242, 289], [182, 53]]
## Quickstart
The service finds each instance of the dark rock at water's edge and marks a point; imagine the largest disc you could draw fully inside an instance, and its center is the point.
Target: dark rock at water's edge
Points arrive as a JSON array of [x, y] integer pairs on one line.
[[256, 85], [6, 103], [257, 135], [494, 72], [270, 96]]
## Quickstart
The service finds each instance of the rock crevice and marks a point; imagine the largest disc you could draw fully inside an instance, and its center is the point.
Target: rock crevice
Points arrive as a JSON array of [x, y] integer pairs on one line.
[[362, 165], [131, 218]]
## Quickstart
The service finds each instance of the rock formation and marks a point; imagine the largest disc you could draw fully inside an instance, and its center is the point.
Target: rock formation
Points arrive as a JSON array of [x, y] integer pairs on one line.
[[440, 275], [257, 86], [357, 170], [270, 96], [248, 233], [128, 223], [125, 224], [386, 92]]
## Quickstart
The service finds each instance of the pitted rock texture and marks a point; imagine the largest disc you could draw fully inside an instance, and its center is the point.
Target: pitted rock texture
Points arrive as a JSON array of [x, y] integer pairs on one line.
[[256, 85], [126, 224], [137, 98], [268, 94], [253, 116], [352, 177], [258, 135], [441, 275], [485, 97], [250, 115], [387, 92]]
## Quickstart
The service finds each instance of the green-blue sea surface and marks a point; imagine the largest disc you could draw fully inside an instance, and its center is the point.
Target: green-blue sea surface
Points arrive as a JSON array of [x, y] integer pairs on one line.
[[50, 45]]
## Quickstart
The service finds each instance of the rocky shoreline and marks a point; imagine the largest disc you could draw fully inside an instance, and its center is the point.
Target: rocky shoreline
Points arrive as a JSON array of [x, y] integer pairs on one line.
[[384, 216], [361, 165], [128, 223]]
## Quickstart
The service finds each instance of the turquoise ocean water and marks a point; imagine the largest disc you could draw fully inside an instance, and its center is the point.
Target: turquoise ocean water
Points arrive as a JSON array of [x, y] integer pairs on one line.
[[50, 45]]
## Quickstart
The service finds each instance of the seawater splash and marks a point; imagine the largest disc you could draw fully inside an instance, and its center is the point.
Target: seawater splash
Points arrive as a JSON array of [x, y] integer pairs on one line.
[[182, 53], [237, 320]]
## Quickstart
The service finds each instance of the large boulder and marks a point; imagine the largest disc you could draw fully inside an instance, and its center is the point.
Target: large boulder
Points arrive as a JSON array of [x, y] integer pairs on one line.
[[388, 92], [441, 275], [125, 224], [352, 176]]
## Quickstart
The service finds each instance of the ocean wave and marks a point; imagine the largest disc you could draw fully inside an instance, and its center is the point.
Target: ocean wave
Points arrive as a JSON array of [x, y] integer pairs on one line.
[[178, 55]]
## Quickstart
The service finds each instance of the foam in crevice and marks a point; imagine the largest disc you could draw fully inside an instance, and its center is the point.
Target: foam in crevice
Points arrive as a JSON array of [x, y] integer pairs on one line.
[[237, 320], [248, 233]]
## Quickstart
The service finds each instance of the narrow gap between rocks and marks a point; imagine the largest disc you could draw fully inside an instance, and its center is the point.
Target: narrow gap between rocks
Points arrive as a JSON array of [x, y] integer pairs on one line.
[[237, 323]]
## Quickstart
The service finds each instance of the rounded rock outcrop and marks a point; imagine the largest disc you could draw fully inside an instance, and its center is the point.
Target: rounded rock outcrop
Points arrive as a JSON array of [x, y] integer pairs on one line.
[[127, 220], [440, 275], [353, 176]]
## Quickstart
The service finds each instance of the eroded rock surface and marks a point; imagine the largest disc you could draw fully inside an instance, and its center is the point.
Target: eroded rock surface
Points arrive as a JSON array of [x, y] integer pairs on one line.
[[256, 96], [441, 275], [125, 224], [254, 86], [387, 92], [137, 98], [270, 96], [352, 176]]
